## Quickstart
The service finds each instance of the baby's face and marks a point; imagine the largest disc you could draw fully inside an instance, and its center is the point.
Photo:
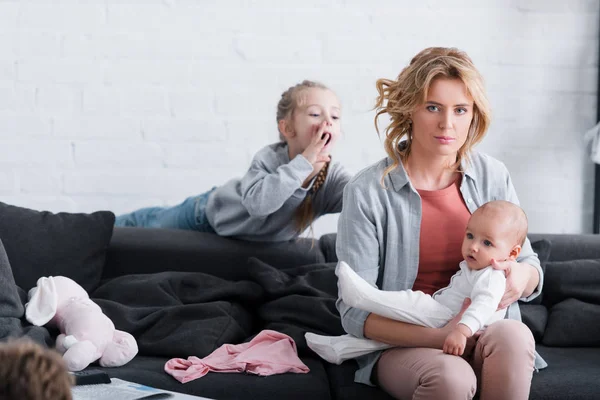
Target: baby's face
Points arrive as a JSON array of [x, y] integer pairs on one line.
[[486, 239]]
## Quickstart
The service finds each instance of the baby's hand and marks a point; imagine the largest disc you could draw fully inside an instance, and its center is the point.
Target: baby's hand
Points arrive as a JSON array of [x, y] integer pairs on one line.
[[455, 343], [313, 153], [456, 340]]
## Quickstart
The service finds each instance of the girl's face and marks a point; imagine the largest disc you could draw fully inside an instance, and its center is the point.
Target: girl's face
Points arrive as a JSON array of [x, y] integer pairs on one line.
[[440, 126], [315, 106]]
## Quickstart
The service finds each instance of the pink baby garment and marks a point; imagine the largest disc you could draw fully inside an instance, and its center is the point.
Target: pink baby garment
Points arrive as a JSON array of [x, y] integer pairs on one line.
[[269, 353]]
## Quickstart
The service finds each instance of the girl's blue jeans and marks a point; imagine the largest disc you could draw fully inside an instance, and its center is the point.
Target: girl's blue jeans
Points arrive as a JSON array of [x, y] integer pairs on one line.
[[190, 215]]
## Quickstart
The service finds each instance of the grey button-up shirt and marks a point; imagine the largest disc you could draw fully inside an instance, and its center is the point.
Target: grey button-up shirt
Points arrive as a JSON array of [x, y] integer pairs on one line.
[[379, 230]]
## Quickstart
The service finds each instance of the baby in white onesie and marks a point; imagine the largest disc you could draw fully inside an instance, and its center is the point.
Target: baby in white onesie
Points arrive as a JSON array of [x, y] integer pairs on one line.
[[495, 231]]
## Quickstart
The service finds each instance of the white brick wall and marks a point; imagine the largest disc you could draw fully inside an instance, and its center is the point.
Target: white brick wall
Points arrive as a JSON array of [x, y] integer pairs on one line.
[[116, 104]]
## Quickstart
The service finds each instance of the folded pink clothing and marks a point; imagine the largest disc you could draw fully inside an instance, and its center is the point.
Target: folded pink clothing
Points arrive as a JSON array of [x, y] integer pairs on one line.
[[269, 353]]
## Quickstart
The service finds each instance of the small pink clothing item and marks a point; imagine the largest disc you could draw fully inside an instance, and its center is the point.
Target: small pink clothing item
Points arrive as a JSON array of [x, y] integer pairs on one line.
[[269, 353]]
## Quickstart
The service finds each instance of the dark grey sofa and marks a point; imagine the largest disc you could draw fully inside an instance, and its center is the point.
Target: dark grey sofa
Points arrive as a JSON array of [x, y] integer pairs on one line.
[[563, 320]]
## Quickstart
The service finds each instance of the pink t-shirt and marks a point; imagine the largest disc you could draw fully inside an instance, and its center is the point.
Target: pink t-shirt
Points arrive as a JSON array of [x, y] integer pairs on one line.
[[443, 224]]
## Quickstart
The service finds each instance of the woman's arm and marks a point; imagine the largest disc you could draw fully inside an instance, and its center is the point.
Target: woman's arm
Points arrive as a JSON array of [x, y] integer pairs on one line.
[[524, 277], [407, 335], [402, 334]]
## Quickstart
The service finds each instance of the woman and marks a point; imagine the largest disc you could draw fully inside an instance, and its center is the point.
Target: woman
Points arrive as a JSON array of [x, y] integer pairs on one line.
[[402, 226]]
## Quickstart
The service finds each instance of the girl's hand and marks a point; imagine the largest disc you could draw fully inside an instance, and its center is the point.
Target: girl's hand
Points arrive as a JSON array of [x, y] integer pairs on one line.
[[314, 152], [517, 277]]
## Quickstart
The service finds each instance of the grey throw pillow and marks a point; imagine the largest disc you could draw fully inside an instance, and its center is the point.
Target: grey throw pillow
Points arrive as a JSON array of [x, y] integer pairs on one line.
[[41, 243], [579, 279], [12, 322], [573, 322]]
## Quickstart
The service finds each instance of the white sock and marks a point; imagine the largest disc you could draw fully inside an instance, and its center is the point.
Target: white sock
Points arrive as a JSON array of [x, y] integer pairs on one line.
[[337, 349]]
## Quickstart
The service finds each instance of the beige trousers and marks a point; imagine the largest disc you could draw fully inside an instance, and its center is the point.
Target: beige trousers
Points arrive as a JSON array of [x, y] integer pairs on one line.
[[500, 367]]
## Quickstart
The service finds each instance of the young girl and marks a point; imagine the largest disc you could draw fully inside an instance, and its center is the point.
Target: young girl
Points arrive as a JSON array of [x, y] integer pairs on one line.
[[288, 185]]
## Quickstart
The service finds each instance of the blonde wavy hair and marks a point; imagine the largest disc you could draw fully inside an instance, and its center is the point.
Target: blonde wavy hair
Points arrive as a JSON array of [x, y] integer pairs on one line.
[[290, 100], [399, 98]]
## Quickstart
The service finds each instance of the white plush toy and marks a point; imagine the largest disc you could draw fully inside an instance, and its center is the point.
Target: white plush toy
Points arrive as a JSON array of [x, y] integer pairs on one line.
[[87, 334]]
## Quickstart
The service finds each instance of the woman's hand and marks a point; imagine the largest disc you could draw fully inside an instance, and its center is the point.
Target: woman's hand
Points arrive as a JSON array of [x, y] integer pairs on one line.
[[517, 278]]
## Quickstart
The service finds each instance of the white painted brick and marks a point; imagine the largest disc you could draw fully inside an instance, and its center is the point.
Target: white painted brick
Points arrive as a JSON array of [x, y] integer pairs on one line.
[[40, 181], [283, 49], [149, 182], [184, 130], [35, 152], [7, 70], [149, 45], [551, 26], [19, 126], [543, 52], [196, 103], [118, 205], [545, 107], [7, 44], [206, 156], [527, 133], [113, 128], [147, 72], [62, 17], [9, 12], [557, 6], [534, 79], [37, 46], [25, 97], [50, 203], [8, 183], [95, 153], [252, 133], [43, 72], [243, 101], [217, 76], [7, 98], [144, 18], [102, 101], [143, 102], [58, 100]]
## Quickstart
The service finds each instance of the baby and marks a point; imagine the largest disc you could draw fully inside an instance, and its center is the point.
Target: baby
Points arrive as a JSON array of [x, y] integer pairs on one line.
[[495, 231], [31, 372]]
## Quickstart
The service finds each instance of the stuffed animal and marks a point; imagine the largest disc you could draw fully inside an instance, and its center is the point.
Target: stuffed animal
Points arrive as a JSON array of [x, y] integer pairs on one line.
[[87, 334]]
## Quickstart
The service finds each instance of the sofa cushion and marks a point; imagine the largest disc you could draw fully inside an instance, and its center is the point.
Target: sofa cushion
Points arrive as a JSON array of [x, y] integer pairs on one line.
[[298, 300], [572, 374], [573, 322], [579, 279], [535, 316], [230, 386], [40, 243]]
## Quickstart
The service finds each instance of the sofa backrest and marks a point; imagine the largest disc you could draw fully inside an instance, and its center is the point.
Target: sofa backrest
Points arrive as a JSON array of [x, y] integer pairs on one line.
[[143, 250], [564, 246], [570, 246]]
